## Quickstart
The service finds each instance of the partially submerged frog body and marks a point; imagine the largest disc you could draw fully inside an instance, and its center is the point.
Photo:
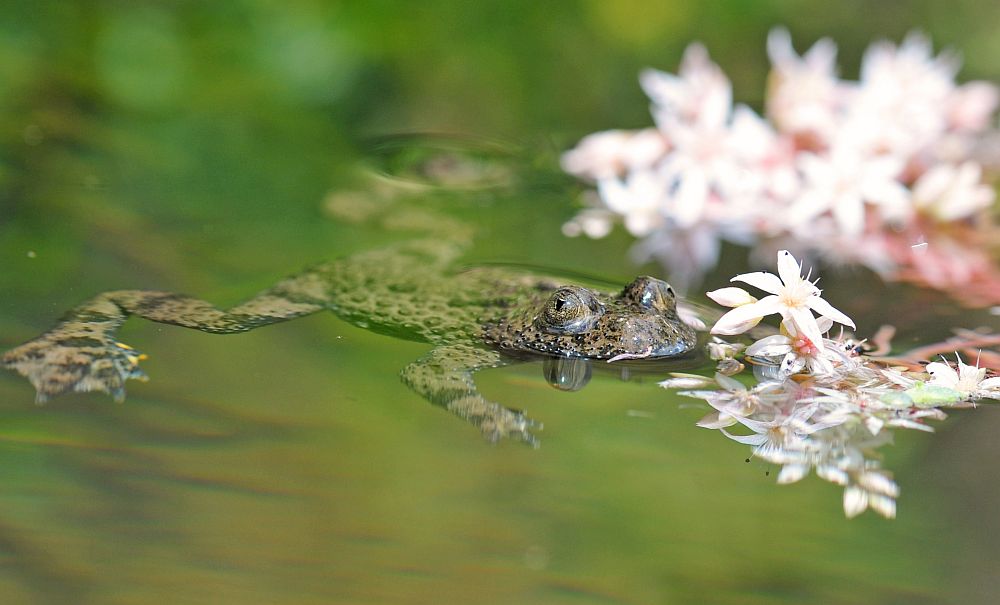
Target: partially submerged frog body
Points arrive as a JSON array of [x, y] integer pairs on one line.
[[477, 318]]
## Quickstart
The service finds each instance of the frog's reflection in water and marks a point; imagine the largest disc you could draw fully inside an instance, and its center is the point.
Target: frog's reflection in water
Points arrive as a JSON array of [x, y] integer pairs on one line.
[[573, 373], [567, 373]]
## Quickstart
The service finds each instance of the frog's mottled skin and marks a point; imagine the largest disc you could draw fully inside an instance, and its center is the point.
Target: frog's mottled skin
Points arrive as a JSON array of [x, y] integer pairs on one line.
[[472, 317]]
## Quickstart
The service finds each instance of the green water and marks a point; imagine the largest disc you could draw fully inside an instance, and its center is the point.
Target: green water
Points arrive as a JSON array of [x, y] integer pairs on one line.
[[289, 464]]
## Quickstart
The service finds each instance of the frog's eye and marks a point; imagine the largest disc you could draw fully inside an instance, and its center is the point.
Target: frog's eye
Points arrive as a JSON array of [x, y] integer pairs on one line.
[[651, 294], [570, 310]]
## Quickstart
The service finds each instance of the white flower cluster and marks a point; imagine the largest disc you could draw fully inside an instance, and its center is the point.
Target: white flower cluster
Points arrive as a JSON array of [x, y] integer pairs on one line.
[[818, 402], [861, 171]]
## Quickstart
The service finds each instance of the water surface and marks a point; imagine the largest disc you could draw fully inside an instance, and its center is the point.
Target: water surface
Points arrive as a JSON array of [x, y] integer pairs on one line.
[[290, 465]]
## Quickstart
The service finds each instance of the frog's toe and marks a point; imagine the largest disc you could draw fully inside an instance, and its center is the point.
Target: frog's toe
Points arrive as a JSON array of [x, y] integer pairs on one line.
[[522, 432], [57, 366], [512, 425]]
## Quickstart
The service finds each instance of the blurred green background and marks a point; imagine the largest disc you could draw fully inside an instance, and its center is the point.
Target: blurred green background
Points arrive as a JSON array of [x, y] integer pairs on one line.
[[189, 146], [122, 121]]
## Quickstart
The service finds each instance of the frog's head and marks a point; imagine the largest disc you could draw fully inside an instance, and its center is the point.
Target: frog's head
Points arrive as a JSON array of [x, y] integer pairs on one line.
[[573, 321]]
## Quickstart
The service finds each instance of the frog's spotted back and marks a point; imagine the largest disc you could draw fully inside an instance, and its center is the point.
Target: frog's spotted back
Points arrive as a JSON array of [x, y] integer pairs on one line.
[[403, 290]]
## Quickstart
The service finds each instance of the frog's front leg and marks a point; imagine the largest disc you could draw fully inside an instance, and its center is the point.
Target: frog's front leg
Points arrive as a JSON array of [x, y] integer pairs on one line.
[[81, 353], [444, 377]]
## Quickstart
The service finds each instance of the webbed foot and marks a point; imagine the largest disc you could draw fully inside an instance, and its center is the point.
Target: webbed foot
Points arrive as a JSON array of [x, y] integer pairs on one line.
[[61, 365]]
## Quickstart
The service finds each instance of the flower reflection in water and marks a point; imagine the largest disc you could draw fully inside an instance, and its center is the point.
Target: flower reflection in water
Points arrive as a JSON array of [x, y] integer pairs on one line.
[[822, 404]]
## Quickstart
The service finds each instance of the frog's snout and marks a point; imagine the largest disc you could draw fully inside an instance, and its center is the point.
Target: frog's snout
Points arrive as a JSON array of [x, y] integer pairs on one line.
[[653, 336]]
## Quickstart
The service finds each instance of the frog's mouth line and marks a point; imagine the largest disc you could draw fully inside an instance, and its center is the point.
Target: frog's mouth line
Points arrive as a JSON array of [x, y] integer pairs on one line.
[[653, 353], [665, 352]]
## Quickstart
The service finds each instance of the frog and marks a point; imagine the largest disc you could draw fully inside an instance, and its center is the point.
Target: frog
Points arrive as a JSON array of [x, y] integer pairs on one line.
[[474, 318]]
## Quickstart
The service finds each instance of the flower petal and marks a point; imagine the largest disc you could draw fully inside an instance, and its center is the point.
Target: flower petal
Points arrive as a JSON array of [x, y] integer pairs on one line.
[[730, 384], [736, 328], [731, 297], [827, 310], [736, 320], [685, 381], [791, 364], [767, 282], [849, 212], [942, 374], [716, 420], [745, 439], [855, 501], [874, 424], [879, 483], [970, 374], [897, 378], [883, 505], [790, 473], [758, 426], [776, 344], [788, 268], [831, 473], [709, 396], [910, 424], [805, 325]]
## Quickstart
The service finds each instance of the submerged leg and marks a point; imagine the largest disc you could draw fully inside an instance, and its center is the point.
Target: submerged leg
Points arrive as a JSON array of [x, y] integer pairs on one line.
[[444, 377], [81, 353]]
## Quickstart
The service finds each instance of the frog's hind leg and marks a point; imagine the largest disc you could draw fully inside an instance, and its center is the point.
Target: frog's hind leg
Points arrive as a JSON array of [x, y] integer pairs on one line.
[[444, 377], [81, 353]]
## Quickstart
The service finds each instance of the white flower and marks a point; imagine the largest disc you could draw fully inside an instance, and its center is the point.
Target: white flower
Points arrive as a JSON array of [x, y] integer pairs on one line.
[[909, 68], [700, 91], [969, 380], [902, 99], [613, 153], [851, 169], [845, 182], [950, 193], [971, 106], [733, 399], [783, 439], [804, 93], [714, 159], [790, 295], [835, 421], [796, 353], [715, 149], [639, 198], [595, 223]]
